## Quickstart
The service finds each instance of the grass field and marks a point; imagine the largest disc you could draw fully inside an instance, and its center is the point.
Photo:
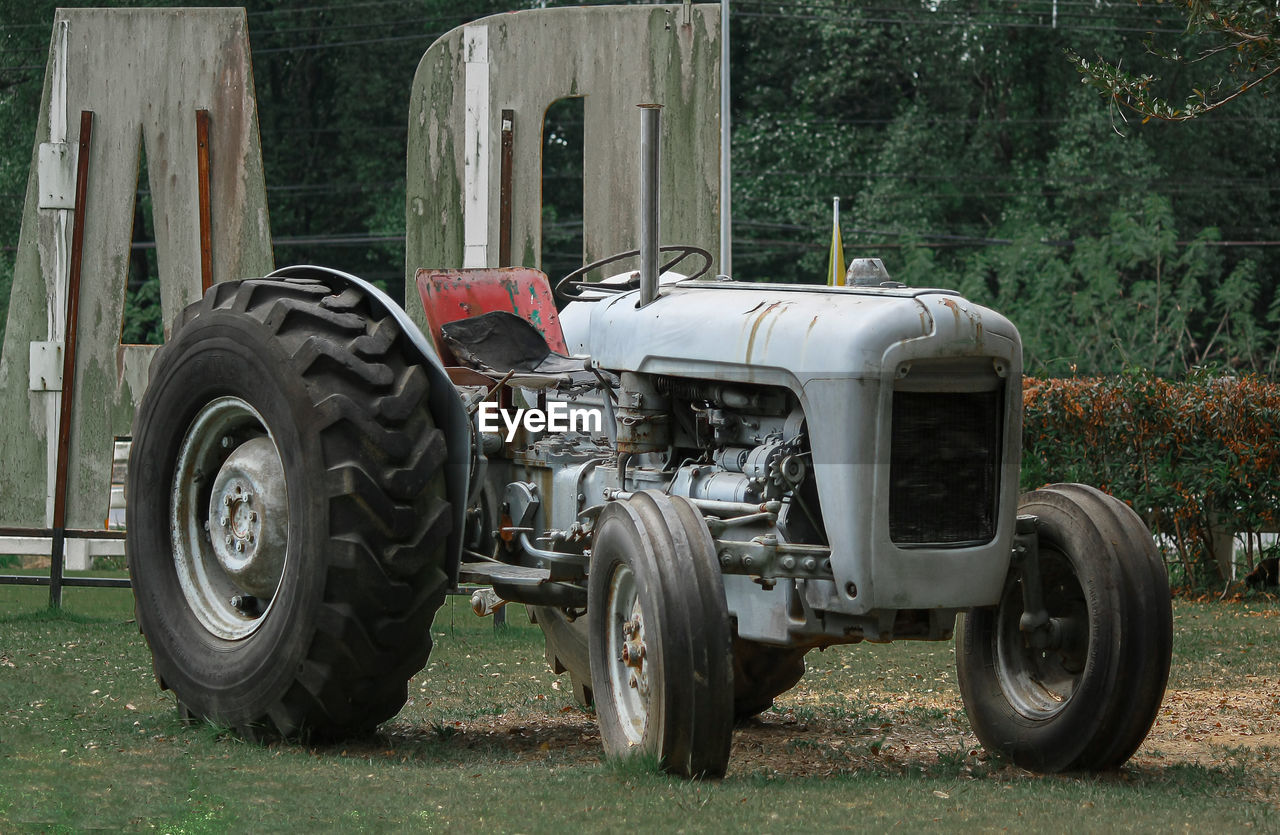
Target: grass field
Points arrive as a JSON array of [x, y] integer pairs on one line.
[[874, 738]]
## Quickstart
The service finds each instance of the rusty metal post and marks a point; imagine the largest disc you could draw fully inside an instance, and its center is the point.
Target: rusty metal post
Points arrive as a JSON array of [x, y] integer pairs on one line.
[[58, 551], [650, 121], [504, 189], [203, 120]]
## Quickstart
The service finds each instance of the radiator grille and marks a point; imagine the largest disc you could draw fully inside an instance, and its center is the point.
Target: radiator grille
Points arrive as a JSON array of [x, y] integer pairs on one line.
[[944, 467]]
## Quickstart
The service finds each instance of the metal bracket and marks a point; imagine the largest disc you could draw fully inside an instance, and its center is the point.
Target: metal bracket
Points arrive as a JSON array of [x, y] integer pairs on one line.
[[1026, 551], [45, 366], [56, 170], [520, 502], [767, 559]]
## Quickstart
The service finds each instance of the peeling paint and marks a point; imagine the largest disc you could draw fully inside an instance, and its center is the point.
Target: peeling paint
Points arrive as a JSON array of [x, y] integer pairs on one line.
[[174, 64], [577, 52]]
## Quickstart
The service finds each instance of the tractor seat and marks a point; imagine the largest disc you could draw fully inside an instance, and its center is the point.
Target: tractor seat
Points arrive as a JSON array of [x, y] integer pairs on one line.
[[499, 342]]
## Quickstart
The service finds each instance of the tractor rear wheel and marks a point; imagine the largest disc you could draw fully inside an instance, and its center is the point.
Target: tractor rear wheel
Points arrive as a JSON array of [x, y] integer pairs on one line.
[[1082, 694], [661, 639], [287, 514]]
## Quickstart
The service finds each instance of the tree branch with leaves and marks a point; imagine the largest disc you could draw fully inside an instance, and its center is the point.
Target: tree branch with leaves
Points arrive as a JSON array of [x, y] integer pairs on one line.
[[1236, 44]]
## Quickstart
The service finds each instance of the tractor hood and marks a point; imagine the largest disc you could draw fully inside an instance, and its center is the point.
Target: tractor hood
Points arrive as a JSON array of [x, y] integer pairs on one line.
[[782, 334]]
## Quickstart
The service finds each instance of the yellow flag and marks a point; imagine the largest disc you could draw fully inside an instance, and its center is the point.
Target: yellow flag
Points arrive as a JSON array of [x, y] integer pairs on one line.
[[835, 263]]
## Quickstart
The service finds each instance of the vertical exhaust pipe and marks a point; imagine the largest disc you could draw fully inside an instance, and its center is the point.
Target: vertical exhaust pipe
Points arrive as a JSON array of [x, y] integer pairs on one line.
[[650, 119]]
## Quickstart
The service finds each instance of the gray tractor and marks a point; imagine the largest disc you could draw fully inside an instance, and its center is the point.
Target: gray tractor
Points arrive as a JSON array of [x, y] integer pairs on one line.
[[757, 470]]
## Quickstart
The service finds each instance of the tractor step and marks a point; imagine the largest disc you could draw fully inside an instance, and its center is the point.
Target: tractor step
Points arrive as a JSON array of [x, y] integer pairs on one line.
[[499, 572]]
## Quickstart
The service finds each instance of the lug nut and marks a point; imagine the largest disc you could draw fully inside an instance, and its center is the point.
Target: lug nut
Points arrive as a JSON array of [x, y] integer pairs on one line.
[[224, 521], [633, 681], [228, 539], [240, 546], [788, 563], [810, 564]]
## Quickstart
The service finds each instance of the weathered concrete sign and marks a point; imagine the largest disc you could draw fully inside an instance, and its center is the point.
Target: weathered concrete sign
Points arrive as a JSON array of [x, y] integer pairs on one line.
[[145, 74], [615, 58], [148, 74]]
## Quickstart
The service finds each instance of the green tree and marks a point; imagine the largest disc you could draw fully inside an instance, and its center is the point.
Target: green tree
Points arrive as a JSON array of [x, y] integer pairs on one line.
[[967, 153]]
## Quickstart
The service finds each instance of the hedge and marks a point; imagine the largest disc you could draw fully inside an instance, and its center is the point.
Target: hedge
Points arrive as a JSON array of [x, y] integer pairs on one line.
[[1189, 455]]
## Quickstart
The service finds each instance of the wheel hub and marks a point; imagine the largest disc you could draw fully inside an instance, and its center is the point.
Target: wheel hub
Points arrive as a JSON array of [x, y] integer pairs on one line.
[[229, 518], [628, 670], [249, 519], [1039, 670], [633, 654]]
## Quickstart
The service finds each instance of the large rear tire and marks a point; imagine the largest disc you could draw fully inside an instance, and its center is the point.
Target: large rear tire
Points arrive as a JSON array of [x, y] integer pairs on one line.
[[1087, 701], [661, 640], [287, 513]]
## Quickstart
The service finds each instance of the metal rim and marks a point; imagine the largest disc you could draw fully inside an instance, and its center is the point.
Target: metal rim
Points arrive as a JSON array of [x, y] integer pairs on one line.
[[229, 518], [1040, 682], [628, 664]]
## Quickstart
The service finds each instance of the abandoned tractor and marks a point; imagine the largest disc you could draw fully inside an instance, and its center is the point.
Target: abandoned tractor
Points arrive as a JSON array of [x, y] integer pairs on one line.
[[691, 481]]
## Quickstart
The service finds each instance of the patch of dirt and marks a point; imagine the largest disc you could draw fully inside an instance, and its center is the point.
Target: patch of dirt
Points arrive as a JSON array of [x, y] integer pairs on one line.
[[928, 733], [569, 735], [1199, 726]]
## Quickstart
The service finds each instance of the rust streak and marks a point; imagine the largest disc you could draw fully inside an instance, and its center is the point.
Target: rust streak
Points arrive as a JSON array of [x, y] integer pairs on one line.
[[759, 320]]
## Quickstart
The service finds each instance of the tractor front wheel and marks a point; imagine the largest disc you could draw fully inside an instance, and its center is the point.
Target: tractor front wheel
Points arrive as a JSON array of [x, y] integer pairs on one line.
[[660, 636], [1081, 692]]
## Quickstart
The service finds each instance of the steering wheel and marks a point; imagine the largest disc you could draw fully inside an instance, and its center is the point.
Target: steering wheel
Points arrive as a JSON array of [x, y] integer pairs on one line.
[[572, 282]]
